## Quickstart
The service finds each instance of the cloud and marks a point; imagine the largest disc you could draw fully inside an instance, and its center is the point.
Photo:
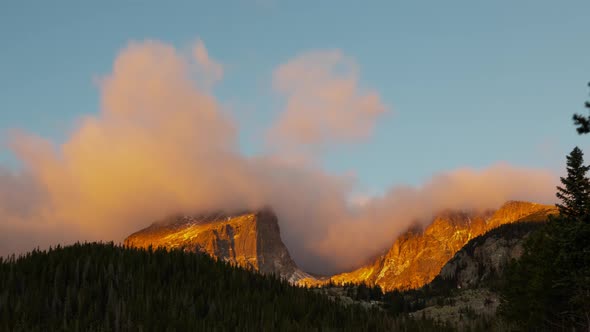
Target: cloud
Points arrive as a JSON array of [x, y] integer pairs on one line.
[[324, 103], [381, 219], [211, 71], [19, 194], [161, 144], [156, 143]]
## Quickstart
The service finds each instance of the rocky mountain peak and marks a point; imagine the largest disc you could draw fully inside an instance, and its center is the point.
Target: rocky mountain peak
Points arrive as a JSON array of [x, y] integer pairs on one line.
[[252, 240], [415, 258], [249, 239], [513, 211]]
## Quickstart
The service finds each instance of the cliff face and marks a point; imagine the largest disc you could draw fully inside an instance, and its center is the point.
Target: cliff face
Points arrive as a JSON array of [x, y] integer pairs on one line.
[[471, 275], [417, 257], [250, 240], [486, 256]]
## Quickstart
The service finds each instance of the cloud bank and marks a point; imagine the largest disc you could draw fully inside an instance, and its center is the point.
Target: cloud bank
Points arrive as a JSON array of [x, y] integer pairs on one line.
[[162, 144]]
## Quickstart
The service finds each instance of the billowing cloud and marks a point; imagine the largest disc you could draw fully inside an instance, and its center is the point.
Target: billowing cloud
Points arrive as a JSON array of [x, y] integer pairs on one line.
[[324, 103], [161, 144]]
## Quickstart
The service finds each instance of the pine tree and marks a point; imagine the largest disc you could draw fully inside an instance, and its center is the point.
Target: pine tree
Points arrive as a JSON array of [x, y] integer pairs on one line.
[[575, 195], [582, 122]]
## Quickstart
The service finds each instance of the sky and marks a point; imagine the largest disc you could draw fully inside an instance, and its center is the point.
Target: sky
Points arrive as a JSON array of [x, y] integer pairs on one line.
[[369, 102]]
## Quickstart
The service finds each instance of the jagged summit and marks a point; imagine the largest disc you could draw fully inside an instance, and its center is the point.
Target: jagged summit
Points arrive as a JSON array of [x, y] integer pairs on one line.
[[249, 239], [415, 258], [252, 240], [519, 210]]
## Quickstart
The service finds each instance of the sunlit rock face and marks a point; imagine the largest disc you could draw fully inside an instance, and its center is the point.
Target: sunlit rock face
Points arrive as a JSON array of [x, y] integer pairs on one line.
[[417, 256], [250, 240]]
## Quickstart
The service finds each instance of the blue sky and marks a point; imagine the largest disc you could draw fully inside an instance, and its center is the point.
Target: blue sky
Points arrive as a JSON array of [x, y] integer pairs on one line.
[[470, 83]]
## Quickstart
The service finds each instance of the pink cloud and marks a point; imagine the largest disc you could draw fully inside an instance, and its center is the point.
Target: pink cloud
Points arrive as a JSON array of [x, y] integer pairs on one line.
[[380, 219], [324, 103]]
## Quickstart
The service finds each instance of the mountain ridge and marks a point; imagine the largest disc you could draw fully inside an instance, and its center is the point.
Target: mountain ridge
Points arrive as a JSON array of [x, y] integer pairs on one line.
[[416, 257], [252, 240]]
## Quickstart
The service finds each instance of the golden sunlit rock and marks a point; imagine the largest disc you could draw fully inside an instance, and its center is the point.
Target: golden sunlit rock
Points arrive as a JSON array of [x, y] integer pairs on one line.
[[417, 256], [250, 240]]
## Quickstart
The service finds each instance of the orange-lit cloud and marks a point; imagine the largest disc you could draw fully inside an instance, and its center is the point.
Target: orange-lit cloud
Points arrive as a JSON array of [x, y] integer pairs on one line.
[[324, 103], [161, 144]]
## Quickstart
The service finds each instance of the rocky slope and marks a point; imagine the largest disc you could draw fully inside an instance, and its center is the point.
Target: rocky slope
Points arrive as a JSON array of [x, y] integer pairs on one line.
[[417, 257], [485, 257], [250, 240], [463, 291]]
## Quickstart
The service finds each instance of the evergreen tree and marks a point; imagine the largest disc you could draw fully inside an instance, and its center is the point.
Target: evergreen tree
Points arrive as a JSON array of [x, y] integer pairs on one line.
[[548, 288], [582, 122], [575, 195]]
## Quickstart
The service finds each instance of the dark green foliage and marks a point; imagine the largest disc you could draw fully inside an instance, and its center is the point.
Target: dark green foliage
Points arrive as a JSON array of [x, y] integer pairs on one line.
[[575, 195], [549, 287], [103, 287], [363, 292], [582, 123], [401, 302]]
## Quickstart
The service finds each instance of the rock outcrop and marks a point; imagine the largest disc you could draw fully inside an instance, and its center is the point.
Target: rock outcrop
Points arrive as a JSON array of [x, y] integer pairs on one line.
[[250, 240], [462, 294], [485, 257]]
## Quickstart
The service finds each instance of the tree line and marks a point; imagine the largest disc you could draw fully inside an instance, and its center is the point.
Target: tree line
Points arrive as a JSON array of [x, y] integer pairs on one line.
[[105, 287]]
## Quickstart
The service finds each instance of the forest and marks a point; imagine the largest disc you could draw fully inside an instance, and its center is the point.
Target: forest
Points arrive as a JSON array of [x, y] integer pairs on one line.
[[106, 287]]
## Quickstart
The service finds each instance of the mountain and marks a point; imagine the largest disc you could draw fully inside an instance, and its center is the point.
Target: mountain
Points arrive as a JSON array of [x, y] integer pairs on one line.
[[417, 256], [251, 240]]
